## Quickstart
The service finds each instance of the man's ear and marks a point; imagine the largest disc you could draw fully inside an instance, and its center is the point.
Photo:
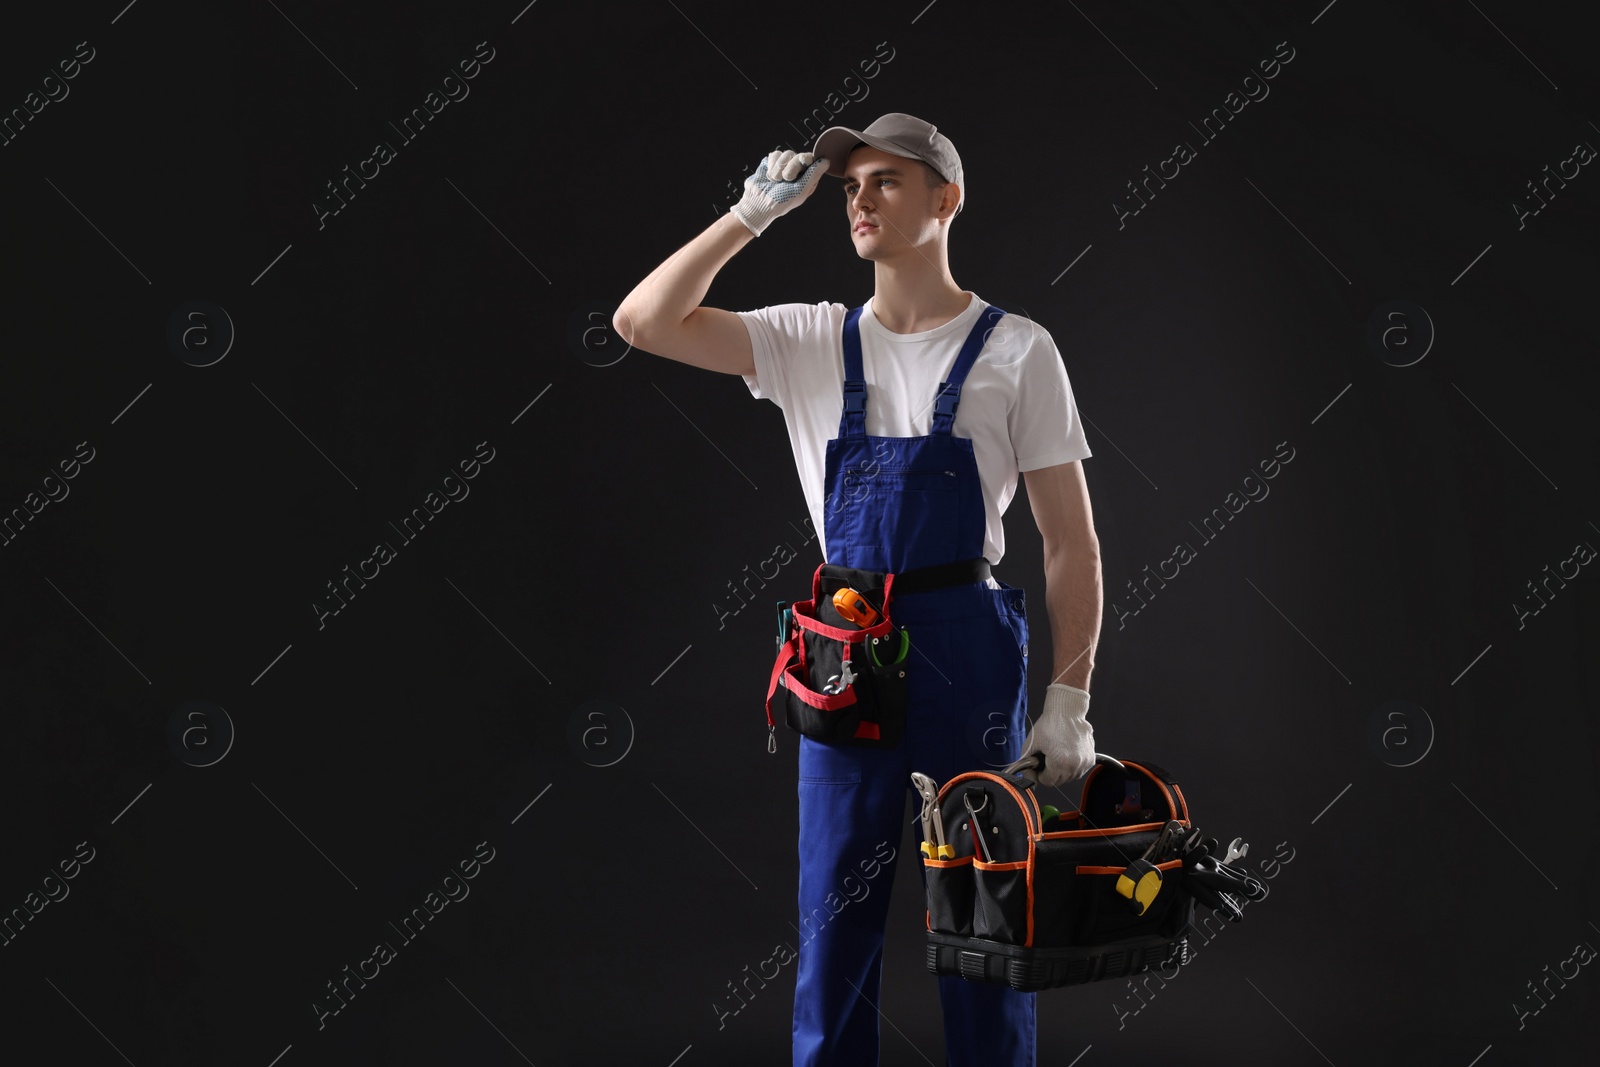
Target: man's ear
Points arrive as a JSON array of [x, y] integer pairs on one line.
[[951, 198]]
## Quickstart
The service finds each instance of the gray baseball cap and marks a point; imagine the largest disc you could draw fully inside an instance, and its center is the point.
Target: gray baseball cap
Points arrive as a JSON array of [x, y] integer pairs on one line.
[[899, 134]]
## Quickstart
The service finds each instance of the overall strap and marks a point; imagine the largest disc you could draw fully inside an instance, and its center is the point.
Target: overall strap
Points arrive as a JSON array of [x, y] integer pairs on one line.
[[853, 420], [944, 405]]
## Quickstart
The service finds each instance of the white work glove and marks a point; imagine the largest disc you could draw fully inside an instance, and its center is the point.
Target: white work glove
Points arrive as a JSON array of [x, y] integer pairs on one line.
[[780, 183], [1063, 736]]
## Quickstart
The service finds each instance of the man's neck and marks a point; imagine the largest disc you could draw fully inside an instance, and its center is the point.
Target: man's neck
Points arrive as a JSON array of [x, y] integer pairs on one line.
[[914, 298]]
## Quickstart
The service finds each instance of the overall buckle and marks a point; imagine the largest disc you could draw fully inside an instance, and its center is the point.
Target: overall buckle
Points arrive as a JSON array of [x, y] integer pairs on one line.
[[855, 396]]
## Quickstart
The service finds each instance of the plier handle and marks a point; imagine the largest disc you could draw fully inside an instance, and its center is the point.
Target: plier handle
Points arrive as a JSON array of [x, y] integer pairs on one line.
[[933, 844], [905, 645]]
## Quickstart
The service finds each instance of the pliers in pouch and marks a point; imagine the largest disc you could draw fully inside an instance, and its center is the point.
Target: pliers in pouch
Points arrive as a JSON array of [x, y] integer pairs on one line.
[[933, 846]]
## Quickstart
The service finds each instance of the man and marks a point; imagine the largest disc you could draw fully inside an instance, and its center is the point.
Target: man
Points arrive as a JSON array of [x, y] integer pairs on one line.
[[930, 441]]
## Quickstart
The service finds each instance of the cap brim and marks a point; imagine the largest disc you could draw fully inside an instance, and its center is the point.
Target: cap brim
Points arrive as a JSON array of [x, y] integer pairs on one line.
[[836, 143]]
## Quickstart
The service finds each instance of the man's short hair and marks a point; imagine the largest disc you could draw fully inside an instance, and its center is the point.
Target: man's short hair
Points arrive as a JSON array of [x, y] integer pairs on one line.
[[931, 177]]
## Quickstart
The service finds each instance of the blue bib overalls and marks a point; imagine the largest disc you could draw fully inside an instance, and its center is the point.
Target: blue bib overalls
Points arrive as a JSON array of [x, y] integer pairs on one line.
[[896, 504]]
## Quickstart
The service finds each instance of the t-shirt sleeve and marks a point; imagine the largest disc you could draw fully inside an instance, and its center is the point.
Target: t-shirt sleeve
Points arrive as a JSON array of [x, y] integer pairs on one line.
[[1044, 423], [776, 334]]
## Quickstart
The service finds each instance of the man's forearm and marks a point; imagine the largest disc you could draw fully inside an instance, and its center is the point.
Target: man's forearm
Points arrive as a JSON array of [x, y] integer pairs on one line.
[[1073, 594], [673, 290]]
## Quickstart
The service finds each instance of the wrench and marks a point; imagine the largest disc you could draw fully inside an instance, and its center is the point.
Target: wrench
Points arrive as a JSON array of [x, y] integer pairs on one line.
[[838, 682], [979, 845]]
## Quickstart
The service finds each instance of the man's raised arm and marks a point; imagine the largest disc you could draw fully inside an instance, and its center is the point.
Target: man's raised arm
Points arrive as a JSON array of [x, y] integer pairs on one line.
[[663, 314]]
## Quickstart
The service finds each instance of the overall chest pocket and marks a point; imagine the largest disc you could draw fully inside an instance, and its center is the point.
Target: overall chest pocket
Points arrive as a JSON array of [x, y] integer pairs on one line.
[[893, 512]]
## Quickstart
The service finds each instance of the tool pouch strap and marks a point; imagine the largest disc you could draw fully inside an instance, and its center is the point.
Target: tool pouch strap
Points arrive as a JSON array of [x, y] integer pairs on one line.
[[871, 710]]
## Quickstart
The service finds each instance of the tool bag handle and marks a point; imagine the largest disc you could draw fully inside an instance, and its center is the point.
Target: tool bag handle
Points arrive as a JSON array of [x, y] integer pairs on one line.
[[1177, 806], [1035, 761]]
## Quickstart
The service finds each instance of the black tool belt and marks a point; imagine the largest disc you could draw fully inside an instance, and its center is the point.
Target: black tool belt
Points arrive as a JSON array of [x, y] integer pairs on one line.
[[838, 682], [921, 580]]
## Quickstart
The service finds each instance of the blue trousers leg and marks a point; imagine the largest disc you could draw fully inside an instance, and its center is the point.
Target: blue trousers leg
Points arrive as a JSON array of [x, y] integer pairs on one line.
[[967, 682]]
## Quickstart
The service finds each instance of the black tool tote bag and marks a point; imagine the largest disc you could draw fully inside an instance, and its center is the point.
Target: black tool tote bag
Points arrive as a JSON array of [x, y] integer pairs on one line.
[[1035, 904]]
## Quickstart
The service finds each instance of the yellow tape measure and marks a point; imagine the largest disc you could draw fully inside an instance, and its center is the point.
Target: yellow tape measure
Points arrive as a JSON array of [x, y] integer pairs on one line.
[[1140, 883]]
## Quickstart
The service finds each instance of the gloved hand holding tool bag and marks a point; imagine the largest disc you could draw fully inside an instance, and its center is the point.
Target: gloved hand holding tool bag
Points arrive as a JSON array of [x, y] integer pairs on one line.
[[1059, 747]]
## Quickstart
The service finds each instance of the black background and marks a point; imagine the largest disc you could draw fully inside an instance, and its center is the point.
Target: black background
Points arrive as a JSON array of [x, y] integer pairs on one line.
[[377, 350]]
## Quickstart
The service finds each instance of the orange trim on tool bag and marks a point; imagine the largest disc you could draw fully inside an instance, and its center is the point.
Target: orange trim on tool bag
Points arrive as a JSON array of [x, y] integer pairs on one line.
[[1028, 825], [1016, 794], [1089, 868], [1034, 826], [1175, 805], [1101, 830], [957, 862]]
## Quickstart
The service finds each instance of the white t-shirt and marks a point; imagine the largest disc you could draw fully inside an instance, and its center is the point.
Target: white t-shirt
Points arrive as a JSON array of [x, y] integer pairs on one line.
[[1016, 403]]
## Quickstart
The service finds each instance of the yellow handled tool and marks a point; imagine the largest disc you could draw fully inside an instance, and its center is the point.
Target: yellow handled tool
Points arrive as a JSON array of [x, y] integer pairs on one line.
[[1140, 882], [933, 846]]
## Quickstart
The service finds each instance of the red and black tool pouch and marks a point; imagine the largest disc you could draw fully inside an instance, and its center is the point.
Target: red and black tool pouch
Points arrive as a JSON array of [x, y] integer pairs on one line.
[[1035, 904], [871, 709]]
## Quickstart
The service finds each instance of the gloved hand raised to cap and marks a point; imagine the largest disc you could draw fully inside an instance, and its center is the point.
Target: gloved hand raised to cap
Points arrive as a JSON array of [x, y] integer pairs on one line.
[[1062, 735], [780, 183]]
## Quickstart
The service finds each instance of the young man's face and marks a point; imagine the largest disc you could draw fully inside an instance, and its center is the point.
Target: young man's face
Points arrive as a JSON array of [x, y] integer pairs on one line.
[[889, 204]]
